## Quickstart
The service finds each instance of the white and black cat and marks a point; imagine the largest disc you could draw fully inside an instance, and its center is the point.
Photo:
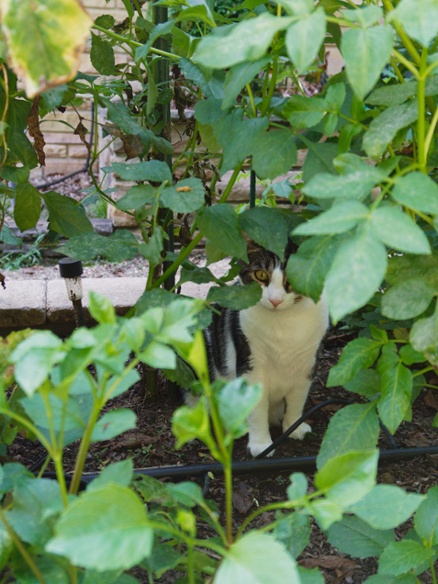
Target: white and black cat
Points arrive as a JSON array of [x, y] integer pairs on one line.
[[273, 343]]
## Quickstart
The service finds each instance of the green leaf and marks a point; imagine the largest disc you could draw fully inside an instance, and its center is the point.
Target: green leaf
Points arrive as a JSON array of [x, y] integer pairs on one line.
[[298, 7], [138, 196], [402, 556], [358, 354], [356, 184], [396, 94], [267, 227], [106, 527], [238, 76], [426, 519], [365, 16], [220, 225], [325, 511], [119, 473], [251, 558], [417, 191], [213, 91], [304, 112], [184, 197], [235, 297], [307, 269], [419, 18], [27, 208], [396, 392], [6, 546], [189, 423], [298, 487], [397, 230], [152, 170], [102, 55], [44, 51], [153, 248], [354, 427], [358, 269], [65, 215], [348, 477], [341, 217], [101, 308], [319, 158], [246, 41], [366, 52], [236, 400], [113, 423], [366, 382], [407, 299], [121, 115], [355, 537], [119, 246], [424, 337], [34, 359], [282, 142], [159, 356], [293, 531], [304, 37], [386, 506], [28, 517], [186, 493], [404, 267], [385, 126]]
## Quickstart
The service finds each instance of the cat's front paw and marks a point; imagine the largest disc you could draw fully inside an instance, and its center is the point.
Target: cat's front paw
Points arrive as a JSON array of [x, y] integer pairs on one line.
[[257, 448], [301, 431]]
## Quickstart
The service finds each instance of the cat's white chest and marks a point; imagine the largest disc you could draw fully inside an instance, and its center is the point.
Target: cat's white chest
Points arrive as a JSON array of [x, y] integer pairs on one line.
[[283, 343]]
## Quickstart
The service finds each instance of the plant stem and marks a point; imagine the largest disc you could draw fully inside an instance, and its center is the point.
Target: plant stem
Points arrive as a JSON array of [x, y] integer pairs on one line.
[[421, 123], [22, 550]]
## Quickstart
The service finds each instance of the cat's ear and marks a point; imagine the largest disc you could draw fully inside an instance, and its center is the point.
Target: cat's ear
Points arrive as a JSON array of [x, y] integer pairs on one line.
[[252, 247], [291, 248]]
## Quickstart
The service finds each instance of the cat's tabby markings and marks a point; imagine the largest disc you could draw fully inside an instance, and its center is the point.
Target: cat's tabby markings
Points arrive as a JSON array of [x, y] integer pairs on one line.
[[273, 343]]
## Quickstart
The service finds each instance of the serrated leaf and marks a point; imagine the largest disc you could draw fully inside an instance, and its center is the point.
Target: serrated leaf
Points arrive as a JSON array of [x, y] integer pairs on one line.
[[397, 230], [424, 337], [27, 207], [419, 18], [267, 227], [238, 76], [304, 112], [366, 382], [119, 246], [354, 427], [348, 477], [366, 51], [44, 51], [102, 55], [407, 299], [304, 37], [236, 400], [293, 531], [138, 196], [220, 224], [402, 556], [307, 269], [357, 270], [236, 297], [341, 217], [386, 506], [426, 519], [250, 560], [396, 393], [65, 215], [246, 41], [120, 473], [113, 423], [152, 170], [107, 526], [282, 142], [385, 126], [355, 537], [356, 184], [417, 191], [358, 354], [184, 197]]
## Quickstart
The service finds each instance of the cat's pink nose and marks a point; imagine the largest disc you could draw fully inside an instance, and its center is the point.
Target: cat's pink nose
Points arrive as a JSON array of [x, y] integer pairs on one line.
[[275, 302]]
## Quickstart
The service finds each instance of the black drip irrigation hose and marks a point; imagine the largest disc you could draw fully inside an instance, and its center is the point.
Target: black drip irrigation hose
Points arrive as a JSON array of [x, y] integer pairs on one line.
[[260, 463]]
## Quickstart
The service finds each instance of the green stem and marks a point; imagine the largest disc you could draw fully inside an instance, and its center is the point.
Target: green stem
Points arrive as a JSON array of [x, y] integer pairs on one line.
[[132, 43], [432, 571], [402, 59], [431, 133], [22, 550], [421, 123], [409, 45]]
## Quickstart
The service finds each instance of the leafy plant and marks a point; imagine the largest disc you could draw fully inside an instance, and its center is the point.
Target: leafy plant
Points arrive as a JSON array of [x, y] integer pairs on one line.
[[366, 229]]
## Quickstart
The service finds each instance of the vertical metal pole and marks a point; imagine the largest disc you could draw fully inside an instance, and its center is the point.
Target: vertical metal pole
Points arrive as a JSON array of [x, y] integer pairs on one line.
[[252, 188]]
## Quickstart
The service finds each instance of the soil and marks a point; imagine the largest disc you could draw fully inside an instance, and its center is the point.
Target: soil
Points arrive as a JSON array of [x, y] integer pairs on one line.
[[152, 444]]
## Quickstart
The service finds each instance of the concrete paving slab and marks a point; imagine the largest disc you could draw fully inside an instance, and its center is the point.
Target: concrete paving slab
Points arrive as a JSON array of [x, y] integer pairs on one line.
[[23, 304]]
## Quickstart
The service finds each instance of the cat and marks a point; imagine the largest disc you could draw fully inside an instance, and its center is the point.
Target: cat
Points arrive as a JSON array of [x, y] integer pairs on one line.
[[273, 343]]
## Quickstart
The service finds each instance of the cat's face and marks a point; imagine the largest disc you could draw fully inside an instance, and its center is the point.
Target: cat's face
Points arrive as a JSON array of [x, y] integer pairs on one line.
[[266, 269]]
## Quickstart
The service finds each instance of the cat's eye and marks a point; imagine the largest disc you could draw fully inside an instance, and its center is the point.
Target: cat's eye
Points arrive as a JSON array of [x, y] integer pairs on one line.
[[261, 275]]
